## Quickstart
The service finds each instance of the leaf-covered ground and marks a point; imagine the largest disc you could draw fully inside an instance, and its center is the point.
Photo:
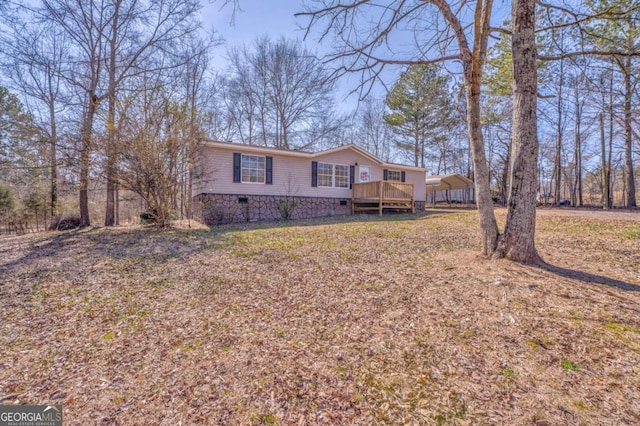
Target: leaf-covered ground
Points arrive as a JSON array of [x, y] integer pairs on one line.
[[362, 321]]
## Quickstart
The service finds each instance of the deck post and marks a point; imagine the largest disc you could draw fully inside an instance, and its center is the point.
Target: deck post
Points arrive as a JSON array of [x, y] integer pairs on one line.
[[380, 196]]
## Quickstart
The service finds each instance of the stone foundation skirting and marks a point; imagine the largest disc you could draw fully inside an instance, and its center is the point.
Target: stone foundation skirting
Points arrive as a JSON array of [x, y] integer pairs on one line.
[[218, 209]]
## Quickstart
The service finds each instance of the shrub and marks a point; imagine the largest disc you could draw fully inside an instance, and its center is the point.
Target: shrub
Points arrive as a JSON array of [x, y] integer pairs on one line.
[[152, 216], [286, 207], [64, 223], [148, 217]]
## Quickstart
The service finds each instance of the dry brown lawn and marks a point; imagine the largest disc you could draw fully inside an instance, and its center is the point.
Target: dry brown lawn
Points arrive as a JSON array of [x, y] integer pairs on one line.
[[351, 321]]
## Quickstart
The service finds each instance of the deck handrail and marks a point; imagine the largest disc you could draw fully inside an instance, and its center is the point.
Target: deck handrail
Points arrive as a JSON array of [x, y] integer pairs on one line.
[[366, 190], [390, 190], [397, 190]]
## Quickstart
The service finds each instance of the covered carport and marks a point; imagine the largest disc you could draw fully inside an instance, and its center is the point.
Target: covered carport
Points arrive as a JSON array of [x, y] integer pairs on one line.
[[453, 188]]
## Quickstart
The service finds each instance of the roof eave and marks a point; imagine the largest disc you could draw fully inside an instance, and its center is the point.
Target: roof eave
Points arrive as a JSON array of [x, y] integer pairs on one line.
[[231, 146]]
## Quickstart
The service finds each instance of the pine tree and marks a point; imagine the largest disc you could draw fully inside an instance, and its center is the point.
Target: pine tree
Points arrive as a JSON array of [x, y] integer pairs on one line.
[[422, 108]]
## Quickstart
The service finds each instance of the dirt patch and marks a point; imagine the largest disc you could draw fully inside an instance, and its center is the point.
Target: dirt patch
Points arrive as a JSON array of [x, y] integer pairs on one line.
[[342, 321]]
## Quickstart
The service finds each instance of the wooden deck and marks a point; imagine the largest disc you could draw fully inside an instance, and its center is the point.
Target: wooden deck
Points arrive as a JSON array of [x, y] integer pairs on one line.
[[382, 194]]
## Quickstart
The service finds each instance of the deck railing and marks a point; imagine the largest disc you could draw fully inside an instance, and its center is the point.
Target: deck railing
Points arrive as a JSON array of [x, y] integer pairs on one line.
[[381, 194], [385, 190], [366, 190], [397, 190]]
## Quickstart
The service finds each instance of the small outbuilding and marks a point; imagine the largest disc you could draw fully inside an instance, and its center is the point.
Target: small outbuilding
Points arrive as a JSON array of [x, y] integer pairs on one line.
[[453, 188]]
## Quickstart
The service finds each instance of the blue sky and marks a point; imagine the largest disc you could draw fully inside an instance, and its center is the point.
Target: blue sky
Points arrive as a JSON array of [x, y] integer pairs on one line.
[[274, 18], [257, 17]]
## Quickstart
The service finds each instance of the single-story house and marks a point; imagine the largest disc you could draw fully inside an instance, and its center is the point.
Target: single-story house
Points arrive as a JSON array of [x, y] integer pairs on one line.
[[239, 183]]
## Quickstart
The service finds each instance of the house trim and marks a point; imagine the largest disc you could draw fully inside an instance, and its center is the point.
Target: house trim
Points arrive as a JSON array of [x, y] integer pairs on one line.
[[260, 150]]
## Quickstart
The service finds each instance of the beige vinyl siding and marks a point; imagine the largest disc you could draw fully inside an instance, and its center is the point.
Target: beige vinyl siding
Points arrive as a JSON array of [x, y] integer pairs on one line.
[[417, 178], [291, 173], [291, 176]]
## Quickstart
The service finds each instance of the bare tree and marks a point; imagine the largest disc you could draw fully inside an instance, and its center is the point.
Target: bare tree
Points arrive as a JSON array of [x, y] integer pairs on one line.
[[244, 95], [136, 31], [109, 43], [35, 55], [277, 90], [198, 94], [580, 86], [610, 31], [361, 30], [84, 25], [372, 132], [626, 34], [557, 169], [603, 83]]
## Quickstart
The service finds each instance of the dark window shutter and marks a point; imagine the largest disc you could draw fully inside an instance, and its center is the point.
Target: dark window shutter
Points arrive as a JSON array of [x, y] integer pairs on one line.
[[352, 175], [314, 174], [269, 171], [404, 176], [237, 157], [385, 174]]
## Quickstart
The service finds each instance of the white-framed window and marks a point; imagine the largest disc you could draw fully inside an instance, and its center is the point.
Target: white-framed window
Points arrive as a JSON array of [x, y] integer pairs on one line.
[[394, 175], [341, 176], [253, 168], [333, 176], [325, 174]]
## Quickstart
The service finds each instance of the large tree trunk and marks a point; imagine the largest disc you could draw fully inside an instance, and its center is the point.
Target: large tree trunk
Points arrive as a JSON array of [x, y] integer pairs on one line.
[[557, 169], [110, 210], [488, 224], [518, 241], [53, 157], [285, 132], [85, 155], [579, 202], [416, 147], [111, 151], [610, 199], [630, 185], [605, 172], [472, 62], [578, 154]]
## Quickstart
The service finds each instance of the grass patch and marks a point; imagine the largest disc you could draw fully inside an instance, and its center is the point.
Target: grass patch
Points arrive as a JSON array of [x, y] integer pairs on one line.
[[266, 419], [569, 365], [508, 373], [631, 232], [621, 327]]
